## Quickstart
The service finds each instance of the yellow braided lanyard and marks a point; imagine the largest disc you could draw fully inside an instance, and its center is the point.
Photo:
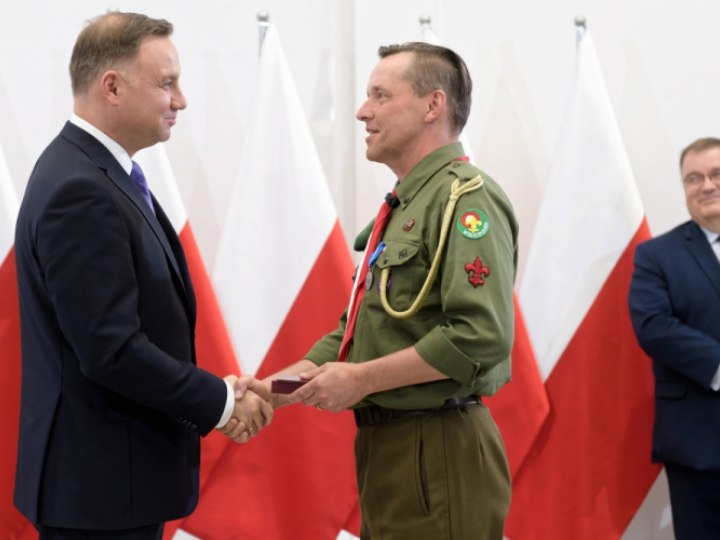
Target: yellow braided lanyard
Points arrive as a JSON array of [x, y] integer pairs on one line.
[[455, 193]]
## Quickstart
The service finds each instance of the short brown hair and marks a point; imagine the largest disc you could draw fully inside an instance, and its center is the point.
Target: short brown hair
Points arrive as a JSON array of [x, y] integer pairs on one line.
[[108, 40], [437, 68], [699, 146]]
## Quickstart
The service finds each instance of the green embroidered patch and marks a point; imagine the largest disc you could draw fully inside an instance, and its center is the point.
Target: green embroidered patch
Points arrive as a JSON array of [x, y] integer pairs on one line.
[[473, 224]]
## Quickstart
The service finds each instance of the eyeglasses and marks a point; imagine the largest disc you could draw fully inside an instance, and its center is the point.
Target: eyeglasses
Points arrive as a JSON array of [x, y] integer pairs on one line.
[[696, 179]]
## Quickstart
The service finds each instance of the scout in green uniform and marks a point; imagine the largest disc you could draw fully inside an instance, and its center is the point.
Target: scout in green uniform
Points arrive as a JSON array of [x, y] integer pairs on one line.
[[430, 461]]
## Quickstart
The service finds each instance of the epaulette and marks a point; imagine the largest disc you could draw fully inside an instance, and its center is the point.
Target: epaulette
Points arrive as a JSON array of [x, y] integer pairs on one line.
[[465, 171]]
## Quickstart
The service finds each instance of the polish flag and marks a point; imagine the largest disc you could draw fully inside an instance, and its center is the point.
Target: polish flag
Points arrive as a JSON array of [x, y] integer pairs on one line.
[[12, 523], [589, 470], [521, 406], [212, 342], [282, 277]]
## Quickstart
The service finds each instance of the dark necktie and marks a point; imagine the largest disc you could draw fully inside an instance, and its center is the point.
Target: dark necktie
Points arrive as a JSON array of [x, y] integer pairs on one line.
[[381, 220], [138, 177]]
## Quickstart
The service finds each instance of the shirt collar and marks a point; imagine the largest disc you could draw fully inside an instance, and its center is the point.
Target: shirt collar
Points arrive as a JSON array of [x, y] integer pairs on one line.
[[113, 147], [711, 236], [425, 170]]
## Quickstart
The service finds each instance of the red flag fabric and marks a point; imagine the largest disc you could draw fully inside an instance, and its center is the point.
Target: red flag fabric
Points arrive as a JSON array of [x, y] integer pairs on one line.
[[12, 524], [521, 406], [212, 342], [589, 470], [296, 480], [282, 278]]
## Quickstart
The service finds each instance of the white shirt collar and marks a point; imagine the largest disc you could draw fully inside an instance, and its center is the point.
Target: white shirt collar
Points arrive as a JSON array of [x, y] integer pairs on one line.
[[113, 147], [711, 236]]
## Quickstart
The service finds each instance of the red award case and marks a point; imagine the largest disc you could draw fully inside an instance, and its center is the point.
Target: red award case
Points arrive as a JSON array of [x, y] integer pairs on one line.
[[286, 384]]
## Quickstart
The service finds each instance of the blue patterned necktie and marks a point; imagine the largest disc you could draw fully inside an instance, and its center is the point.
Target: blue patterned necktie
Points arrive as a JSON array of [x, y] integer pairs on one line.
[[138, 177]]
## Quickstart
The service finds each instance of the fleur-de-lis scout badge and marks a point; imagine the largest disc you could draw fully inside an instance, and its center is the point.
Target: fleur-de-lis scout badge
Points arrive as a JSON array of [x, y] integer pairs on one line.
[[473, 224], [477, 272], [409, 224]]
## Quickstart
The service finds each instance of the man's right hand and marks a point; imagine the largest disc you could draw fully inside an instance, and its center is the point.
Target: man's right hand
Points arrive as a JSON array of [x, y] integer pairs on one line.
[[251, 414]]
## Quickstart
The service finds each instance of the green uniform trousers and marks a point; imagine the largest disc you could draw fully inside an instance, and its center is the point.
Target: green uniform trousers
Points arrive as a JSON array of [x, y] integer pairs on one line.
[[440, 476]]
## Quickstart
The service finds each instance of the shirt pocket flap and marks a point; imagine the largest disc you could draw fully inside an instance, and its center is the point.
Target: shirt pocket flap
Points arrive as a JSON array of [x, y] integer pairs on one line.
[[397, 253], [670, 389]]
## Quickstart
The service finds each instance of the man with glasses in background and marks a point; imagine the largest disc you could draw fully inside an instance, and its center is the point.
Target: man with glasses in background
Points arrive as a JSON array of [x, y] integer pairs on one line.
[[675, 309]]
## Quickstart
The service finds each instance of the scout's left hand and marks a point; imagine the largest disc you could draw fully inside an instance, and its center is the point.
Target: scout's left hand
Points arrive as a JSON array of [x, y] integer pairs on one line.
[[333, 386]]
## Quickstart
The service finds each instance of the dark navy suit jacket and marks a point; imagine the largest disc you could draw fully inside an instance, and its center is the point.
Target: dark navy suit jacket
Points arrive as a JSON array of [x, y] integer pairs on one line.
[[112, 403], [675, 310]]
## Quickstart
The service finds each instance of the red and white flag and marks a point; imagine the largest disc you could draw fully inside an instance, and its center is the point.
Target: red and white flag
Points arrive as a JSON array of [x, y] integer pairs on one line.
[[212, 342], [12, 523], [282, 277], [521, 406], [589, 469]]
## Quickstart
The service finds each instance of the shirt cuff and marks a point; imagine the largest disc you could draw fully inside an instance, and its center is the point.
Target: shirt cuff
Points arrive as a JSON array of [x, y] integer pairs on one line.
[[715, 383], [229, 406], [438, 351]]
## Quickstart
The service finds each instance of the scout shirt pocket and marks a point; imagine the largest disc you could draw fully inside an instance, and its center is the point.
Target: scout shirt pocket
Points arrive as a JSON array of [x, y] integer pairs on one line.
[[406, 273]]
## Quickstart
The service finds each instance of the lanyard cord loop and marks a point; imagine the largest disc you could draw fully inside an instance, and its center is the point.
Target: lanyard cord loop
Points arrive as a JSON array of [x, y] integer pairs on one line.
[[455, 193]]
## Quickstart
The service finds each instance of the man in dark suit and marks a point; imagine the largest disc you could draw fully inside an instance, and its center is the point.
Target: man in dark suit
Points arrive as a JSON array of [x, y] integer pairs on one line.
[[675, 309], [112, 402]]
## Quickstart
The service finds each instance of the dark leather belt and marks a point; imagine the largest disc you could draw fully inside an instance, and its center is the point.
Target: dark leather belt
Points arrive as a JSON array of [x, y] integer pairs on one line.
[[374, 414]]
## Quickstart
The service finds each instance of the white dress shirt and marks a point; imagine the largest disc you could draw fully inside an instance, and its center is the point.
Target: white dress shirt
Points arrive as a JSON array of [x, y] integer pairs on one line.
[[126, 163], [713, 239]]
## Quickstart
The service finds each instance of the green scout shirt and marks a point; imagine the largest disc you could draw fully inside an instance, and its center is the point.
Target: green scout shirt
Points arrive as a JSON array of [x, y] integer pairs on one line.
[[465, 328]]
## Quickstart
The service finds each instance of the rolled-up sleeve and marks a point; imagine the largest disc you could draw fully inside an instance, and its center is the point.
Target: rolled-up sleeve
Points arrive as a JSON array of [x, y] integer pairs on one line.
[[477, 277]]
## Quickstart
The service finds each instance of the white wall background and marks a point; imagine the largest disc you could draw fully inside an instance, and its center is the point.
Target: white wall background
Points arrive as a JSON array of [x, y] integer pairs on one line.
[[659, 59]]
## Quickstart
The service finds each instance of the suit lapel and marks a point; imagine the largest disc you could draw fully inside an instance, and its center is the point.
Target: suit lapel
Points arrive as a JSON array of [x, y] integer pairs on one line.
[[699, 247], [96, 151], [179, 253]]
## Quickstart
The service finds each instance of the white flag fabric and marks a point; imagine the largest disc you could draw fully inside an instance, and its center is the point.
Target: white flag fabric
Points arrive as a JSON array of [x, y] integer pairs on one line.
[[591, 459], [590, 211], [282, 277], [212, 343], [521, 407], [8, 209], [279, 218], [156, 167]]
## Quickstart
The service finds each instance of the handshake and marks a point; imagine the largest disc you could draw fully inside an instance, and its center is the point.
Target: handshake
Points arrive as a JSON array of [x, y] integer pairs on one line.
[[252, 411], [335, 386]]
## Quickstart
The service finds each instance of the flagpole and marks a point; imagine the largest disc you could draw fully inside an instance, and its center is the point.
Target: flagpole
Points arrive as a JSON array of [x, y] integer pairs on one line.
[[425, 21], [580, 27], [263, 18]]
